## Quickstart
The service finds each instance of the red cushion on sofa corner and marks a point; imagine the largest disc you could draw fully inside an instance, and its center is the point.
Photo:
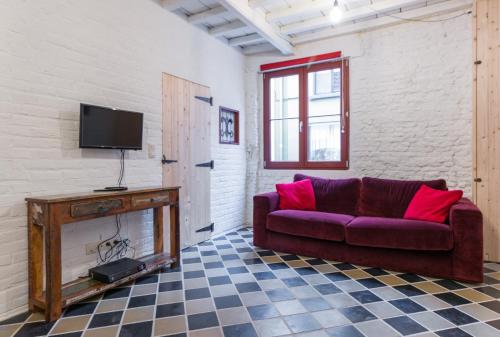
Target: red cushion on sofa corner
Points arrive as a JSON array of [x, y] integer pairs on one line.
[[298, 195], [433, 205]]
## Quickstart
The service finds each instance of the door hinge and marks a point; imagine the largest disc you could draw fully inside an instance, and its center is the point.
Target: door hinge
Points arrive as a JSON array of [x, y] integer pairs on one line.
[[209, 228], [209, 100], [164, 160], [478, 180], [210, 164], [478, 62]]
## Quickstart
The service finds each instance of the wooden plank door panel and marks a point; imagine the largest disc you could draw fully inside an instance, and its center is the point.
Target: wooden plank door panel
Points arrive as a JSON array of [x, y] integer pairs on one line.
[[186, 138], [487, 122]]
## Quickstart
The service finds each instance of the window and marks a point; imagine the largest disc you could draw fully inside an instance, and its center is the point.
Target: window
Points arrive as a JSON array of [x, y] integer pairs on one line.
[[306, 123]]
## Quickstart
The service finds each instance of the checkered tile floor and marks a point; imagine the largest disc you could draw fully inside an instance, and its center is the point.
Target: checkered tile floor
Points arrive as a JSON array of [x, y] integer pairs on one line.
[[226, 287]]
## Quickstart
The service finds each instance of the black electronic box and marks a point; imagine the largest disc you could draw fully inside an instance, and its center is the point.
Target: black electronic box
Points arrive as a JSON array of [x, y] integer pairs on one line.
[[116, 270]]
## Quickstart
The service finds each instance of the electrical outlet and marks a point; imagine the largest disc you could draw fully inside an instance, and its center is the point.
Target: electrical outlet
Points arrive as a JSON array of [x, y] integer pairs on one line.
[[91, 248]]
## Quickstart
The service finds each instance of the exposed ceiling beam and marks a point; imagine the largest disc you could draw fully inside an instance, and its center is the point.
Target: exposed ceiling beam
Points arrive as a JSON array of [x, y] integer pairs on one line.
[[257, 49], [172, 5], [241, 40], [205, 15], [436, 9], [259, 3], [299, 10], [354, 14], [227, 28], [255, 19]]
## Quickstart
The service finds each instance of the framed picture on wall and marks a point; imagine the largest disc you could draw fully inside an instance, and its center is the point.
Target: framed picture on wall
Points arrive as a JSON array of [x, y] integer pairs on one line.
[[229, 126]]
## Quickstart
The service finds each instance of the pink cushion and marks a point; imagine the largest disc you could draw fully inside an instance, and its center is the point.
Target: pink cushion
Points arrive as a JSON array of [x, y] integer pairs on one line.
[[433, 205], [309, 224], [298, 195]]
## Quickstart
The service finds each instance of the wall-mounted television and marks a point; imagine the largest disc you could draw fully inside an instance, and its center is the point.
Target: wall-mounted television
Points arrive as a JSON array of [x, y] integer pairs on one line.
[[107, 128]]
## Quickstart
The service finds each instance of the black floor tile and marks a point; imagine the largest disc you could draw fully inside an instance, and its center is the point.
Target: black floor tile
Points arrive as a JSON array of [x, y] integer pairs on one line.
[[264, 275], [209, 253], [142, 329], [449, 284], [412, 278], [302, 323], [316, 262], [254, 260], [266, 253], [365, 296], [376, 271], [344, 266], [242, 250], [237, 241], [492, 305], [247, 287], [371, 283], [495, 324], [80, 309], [239, 330], [455, 316], [142, 301], [357, 314], [263, 311], [294, 282], [202, 321], [453, 332], [213, 265], [490, 280], [337, 276], [407, 306], [220, 238], [306, 271], [16, 319], [194, 274], [327, 289], [147, 279], [171, 309], [290, 257], [191, 260], [405, 325], [315, 304], [219, 280], [452, 299], [344, 331], [225, 246], [69, 334], [34, 329], [230, 257], [225, 302], [106, 319], [170, 286], [493, 292], [237, 270], [279, 294], [278, 266], [409, 290], [196, 294], [117, 293]]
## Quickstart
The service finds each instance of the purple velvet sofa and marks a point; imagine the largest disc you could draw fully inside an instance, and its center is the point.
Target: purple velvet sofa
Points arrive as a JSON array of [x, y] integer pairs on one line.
[[361, 222]]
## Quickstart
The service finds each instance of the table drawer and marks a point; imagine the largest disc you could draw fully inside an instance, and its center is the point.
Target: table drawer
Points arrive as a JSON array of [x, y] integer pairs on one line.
[[95, 207], [152, 199]]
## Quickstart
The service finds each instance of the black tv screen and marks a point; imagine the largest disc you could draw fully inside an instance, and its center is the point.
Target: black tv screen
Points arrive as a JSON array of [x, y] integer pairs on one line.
[[107, 128]]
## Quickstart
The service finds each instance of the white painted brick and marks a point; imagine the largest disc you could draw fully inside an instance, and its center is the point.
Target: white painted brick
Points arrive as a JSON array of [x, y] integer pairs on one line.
[[55, 54], [411, 106]]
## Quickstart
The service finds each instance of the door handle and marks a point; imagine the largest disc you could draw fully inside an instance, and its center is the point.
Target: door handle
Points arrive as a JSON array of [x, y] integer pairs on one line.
[[478, 180], [207, 164], [167, 161]]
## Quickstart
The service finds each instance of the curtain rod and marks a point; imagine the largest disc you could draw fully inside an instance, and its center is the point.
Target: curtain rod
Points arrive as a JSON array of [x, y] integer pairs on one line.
[[304, 64]]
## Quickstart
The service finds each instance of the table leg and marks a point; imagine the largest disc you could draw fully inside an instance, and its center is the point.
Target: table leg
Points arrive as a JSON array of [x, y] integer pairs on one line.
[[175, 251], [158, 229], [36, 216], [53, 270]]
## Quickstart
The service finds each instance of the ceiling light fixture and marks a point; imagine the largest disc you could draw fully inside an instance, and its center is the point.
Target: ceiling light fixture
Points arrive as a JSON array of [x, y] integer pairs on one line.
[[336, 13]]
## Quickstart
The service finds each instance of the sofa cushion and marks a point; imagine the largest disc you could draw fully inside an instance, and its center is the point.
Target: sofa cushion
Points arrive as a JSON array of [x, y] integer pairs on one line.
[[334, 195], [310, 224], [399, 234], [390, 198], [297, 195], [433, 205]]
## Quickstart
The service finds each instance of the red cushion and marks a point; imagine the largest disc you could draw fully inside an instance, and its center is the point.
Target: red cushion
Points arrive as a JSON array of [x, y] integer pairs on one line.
[[433, 205], [317, 225], [298, 195]]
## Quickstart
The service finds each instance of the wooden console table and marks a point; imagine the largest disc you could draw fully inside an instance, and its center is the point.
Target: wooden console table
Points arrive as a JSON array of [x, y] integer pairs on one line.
[[47, 214]]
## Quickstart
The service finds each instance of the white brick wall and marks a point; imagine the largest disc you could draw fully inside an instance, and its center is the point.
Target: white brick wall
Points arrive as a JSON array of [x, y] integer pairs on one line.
[[411, 105], [55, 54]]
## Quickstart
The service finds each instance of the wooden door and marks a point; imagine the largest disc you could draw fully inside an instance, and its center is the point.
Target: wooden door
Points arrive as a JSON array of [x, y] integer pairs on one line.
[[487, 122], [186, 139]]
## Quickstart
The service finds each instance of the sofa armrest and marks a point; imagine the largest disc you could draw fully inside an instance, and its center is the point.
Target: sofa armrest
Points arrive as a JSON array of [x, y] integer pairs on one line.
[[263, 204], [466, 221]]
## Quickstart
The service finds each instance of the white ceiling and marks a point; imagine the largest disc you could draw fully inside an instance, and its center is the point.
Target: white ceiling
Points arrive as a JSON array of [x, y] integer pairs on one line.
[[256, 26]]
